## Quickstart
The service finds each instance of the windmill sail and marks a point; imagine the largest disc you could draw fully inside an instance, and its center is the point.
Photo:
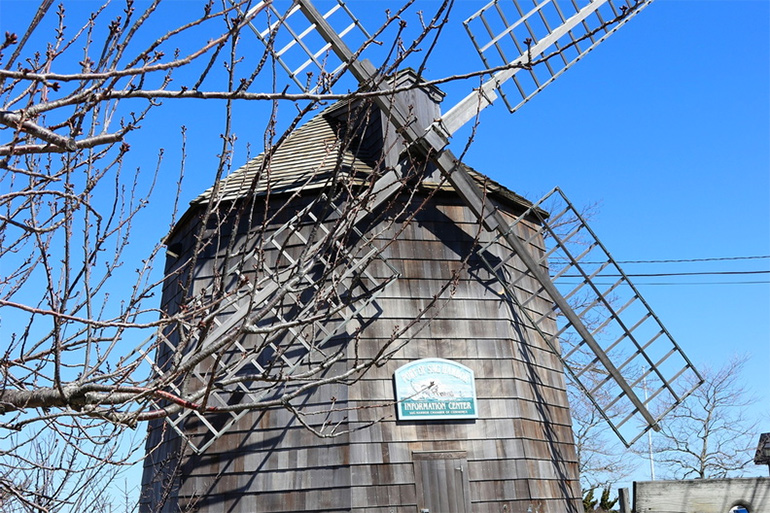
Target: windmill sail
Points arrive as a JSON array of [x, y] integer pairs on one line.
[[298, 48], [637, 345], [289, 282], [531, 43], [540, 41]]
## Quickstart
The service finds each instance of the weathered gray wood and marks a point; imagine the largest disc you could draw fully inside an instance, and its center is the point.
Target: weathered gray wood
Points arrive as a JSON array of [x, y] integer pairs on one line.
[[624, 504], [441, 480], [702, 495]]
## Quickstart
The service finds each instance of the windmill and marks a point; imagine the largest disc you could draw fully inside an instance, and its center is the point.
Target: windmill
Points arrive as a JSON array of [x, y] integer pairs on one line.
[[624, 359]]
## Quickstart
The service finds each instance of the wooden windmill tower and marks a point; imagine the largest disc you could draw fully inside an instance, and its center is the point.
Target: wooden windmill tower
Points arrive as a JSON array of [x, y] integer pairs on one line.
[[400, 324]]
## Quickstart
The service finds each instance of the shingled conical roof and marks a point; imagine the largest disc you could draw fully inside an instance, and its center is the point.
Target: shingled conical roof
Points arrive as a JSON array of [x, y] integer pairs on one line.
[[306, 159], [320, 151], [347, 140]]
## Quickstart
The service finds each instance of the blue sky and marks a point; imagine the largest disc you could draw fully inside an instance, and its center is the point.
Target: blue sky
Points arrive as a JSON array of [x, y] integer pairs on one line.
[[665, 127]]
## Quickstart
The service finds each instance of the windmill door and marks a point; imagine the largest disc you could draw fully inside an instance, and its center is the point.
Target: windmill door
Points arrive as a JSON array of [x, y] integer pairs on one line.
[[442, 482]]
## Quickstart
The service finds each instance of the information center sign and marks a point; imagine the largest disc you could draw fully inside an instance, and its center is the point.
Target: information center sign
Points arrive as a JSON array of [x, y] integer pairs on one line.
[[435, 389]]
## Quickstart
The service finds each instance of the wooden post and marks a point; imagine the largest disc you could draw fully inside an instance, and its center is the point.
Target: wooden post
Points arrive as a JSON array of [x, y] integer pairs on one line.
[[623, 500]]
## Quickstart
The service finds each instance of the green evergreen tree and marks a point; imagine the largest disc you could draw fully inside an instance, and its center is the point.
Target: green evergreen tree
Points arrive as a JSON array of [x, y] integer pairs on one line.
[[605, 503], [589, 503]]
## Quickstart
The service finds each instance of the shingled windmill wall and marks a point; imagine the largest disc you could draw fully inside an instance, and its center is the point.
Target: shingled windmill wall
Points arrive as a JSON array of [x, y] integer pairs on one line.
[[517, 456]]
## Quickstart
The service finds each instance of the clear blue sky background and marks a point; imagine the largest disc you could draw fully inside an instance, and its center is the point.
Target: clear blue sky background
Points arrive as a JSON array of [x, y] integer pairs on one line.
[[666, 126]]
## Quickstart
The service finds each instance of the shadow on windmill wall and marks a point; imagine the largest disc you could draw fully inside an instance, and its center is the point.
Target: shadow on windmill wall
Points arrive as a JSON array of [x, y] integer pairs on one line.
[[554, 450]]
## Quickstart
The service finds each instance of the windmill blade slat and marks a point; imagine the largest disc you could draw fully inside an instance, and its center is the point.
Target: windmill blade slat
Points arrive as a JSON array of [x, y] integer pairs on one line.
[[563, 239], [574, 263], [639, 351], [628, 417], [612, 287], [675, 377], [614, 313], [640, 322]]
